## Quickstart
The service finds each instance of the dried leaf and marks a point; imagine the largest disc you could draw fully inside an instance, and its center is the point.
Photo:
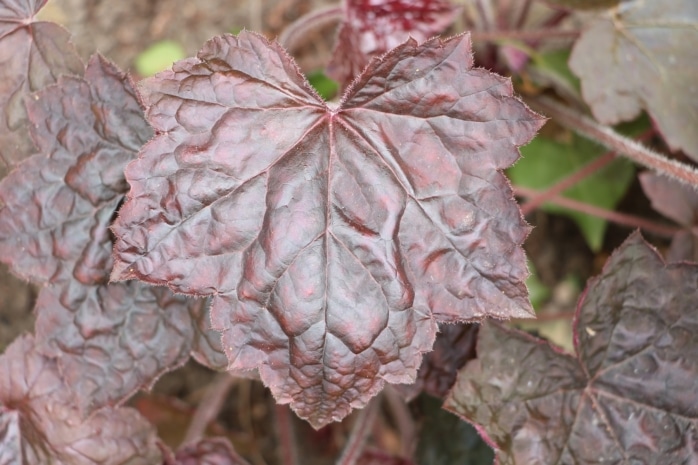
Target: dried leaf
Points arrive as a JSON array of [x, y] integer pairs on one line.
[[370, 28], [628, 397], [33, 54], [642, 55], [331, 239], [58, 204]]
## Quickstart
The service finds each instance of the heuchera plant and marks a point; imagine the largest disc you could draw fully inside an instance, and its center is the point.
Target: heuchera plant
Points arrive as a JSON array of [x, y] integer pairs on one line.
[[222, 210]]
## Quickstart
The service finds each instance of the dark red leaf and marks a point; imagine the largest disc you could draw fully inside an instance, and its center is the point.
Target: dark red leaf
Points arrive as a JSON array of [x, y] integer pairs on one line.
[[43, 429], [453, 347], [370, 28], [642, 55], [628, 397], [33, 54], [59, 203], [331, 239], [208, 451], [207, 348], [113, 340]]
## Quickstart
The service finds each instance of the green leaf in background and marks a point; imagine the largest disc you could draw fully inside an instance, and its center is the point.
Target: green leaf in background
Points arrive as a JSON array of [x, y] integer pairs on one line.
[[445, 439], [551, 69], [545, 161], [326, 87], [158, 57], [537, 291]]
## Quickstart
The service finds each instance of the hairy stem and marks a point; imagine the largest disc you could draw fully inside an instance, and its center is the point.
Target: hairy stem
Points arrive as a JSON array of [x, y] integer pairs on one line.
[[296, 33], [209, 407], [574, 178], [288, 452], [532, 34], [623, 219], [359, 433], [606, 136]]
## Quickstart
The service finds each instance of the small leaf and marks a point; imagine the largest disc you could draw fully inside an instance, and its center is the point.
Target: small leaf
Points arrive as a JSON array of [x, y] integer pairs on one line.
[[628, 396], [158, 57], [641, 55], [207, 451], [545, 161], [112, 340], [43, 429], [370, 28], [59, 203], [330, 238], [33, 54]]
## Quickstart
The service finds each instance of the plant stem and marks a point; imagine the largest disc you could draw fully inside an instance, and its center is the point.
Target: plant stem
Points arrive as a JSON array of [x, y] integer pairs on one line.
[[523, 14], [532, 34], [403, 420], [359, 434], [546, 317], [209, 407], [296, 33], [288, 452], [623, 219], [606, 136], [573, 179]]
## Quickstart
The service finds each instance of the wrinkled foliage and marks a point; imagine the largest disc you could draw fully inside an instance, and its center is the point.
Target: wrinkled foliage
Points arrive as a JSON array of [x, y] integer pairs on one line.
[[656, 41], [58, 205], [40, 426], [370, 28], [33, 54], [629, 396], [331, 238]]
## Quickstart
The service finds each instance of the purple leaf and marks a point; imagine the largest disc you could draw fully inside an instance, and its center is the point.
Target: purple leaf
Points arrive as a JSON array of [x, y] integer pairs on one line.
[[370, 28], [33, 54], [58, 204], [42, 429], [630, 394], [207, 348], [331, 239], [453, 347], [112, 340], [641, 55], [207, 451]]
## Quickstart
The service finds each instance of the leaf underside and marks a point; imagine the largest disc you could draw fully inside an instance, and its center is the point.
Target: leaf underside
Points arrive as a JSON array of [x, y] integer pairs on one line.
[[642, 55], [371, 28], [630, 394], [33, 55], [331, 239]]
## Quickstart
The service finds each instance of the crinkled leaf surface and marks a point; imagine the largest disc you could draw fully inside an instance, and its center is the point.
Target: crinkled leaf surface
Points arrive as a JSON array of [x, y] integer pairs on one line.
[[330, 238], [43, 429], [59, 203], [629, 397], [110, 341], [32, 55], [370, 28], [642, 55], [207, 451]]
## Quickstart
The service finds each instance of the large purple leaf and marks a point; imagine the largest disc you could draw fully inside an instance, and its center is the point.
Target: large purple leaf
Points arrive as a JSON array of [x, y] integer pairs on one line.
[[370, 28], [32, 55], [330, 238], [630, 394], [642, 55], [58, 204], [110, 341], [39, 428]]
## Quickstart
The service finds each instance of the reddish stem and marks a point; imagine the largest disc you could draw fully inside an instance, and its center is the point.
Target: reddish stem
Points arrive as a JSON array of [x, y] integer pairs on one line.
[[403, 420], [296, 33], [609, 138], [209, 407], [623, 219], [359, 434], [529, 34], [288, 452]]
